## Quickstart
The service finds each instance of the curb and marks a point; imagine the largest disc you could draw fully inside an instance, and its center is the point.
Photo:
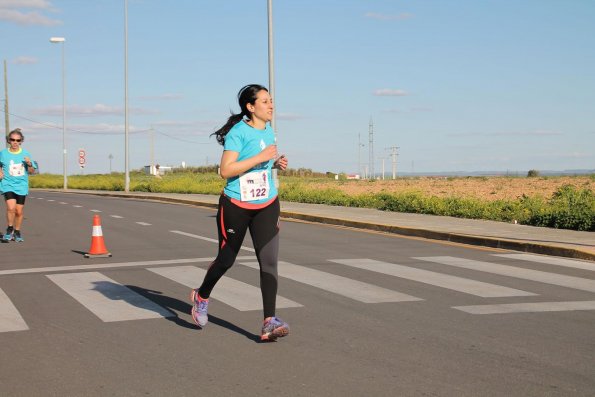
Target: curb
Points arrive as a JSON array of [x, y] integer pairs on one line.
[[553, 250], [452, 237]]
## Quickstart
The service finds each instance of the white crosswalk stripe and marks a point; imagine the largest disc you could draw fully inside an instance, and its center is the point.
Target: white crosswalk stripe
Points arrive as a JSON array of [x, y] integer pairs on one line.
[[107, 299], [353, 289], [578, 283], [236, 294], [551, 260], [454, 283], [10, 319], [532, 307]]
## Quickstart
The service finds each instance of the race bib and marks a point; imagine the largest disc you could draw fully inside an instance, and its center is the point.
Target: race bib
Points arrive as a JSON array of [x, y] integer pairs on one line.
[[16, 169], [254, 186]]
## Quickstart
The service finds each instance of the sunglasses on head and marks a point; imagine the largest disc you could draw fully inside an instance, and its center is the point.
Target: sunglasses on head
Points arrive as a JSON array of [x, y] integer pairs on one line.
[[15, 140]]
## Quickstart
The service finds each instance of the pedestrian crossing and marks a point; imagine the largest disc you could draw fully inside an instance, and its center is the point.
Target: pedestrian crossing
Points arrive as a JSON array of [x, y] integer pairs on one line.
[[106, 298], [467, 286], [111, 301]]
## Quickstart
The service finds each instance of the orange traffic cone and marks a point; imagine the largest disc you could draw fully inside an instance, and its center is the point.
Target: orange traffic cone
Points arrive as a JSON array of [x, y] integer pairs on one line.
[[98, 249]]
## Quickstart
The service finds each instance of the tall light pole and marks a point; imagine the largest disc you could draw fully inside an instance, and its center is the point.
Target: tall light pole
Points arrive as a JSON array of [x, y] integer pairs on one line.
[[272, 77], [61, 40], [6, 122], [126, 165], [371, 148]]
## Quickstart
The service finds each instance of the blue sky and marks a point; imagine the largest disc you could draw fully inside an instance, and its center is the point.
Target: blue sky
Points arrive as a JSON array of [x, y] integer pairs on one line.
[[460, 85]]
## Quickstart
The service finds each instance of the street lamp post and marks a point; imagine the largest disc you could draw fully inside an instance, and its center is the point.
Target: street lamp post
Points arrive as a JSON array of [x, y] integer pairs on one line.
[[126, 133], [61, 40], [272, 76], [6, 122], [110, 157]]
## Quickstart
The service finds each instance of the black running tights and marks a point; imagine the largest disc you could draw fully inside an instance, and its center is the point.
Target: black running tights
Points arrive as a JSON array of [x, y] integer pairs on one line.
[[232, 223]]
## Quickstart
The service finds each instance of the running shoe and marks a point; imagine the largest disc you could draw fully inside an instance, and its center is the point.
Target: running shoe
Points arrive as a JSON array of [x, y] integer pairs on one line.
[[9, 234], [274, 328], [199, 308], [17, 236]]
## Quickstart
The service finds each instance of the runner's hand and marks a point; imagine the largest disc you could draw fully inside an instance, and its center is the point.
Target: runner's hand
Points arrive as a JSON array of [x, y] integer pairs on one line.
[[281, 163], [269, 153]]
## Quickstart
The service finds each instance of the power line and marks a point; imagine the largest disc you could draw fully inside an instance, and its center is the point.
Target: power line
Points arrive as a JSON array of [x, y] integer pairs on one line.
[[106, 132]]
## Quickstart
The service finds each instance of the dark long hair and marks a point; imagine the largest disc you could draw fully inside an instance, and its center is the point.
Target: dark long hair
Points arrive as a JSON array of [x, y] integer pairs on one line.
[[247, 95]]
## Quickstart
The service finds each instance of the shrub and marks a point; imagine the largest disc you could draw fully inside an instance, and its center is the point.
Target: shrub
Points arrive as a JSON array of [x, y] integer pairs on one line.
[[569, 208]]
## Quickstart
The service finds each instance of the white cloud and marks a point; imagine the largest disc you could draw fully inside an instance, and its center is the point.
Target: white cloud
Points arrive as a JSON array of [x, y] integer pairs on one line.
[[388, 17], [422, 109], [25, 4], [163, 97], [390, 92], [25, 60], [87, 111], [13, 11], [31, 18]]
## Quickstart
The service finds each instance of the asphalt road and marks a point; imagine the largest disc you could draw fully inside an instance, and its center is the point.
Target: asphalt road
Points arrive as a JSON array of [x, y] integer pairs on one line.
[[370, 314]]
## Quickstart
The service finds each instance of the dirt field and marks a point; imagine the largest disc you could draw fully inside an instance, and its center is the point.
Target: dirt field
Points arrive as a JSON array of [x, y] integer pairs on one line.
[[486, 188]]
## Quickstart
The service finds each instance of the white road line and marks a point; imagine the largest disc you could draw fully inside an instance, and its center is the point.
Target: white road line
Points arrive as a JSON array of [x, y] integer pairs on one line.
[[528, 307], [107, 299], [143, 223], [51, 200], [10, 319], [117, 216], [549, 260], [95, 210], [62, 202], [77, 206], [39, 198], [582, 284], [207, 239], [234, 293], [353, 289], [110, 265], [454, 283]]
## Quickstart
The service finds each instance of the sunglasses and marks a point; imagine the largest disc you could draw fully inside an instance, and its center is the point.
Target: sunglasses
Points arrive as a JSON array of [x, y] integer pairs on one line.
[[15, 140]]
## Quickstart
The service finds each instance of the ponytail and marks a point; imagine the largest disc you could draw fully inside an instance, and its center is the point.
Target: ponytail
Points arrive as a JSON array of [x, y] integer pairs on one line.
[[231, 121], [246, 95]]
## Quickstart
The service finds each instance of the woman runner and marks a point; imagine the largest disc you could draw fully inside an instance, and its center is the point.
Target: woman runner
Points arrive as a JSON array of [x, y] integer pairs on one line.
[[249, 202]]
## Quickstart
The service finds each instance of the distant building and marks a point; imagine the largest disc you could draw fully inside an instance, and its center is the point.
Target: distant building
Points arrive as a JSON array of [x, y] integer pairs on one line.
[[157, 169], [353, 176]]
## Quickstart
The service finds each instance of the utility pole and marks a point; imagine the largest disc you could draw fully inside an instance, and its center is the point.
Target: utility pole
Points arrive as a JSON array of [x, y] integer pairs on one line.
[[393, 155], [382, 158], [371, 147], [6, 102], [152, 168], [360, 145]]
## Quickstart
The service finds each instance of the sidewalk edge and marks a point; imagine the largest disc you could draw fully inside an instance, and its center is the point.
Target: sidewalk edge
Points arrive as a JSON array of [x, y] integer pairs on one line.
[[452, 237]]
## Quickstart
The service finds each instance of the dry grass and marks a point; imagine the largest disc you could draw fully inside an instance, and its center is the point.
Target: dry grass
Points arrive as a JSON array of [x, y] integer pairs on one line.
[[485, 188]]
